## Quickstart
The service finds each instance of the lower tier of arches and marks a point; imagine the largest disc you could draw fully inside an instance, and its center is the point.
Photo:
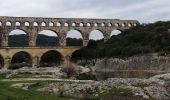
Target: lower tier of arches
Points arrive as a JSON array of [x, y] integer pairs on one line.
[[14, 58]]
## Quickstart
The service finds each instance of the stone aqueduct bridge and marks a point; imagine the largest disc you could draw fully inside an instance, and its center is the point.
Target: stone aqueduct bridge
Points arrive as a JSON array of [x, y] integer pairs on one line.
[[61, 26]]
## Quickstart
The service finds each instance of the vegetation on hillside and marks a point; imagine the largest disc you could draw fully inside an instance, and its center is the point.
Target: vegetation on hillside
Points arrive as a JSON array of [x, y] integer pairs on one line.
[[142, 39]]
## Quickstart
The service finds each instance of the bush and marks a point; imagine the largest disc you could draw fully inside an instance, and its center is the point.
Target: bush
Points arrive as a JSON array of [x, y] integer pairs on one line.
[[69, 69]]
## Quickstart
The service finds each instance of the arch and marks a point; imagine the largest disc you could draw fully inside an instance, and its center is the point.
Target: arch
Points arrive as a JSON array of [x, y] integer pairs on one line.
[[58, 24], [116, 24], [95, 25], [88, 24], [129, 25], [103, 24], [21, 59], [1, 39], [73, 24], [47, 38], [51, 24], [96, 35], [18, 38], [17, 24], [109, 24], [43, 24], [0, 23], [135, 24], [81, 24], [76, 55], [8, 23], [115, 32], [66, 24], [51, 58], [1, 62], [35, 24], [27, 24], [74, 38], [123, 25]]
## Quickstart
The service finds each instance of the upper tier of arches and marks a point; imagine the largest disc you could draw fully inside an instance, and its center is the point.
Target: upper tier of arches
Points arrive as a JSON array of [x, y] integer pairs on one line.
[[31, 37], [65, 22]]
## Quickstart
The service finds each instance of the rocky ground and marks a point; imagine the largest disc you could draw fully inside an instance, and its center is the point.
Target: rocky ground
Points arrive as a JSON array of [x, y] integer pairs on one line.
[[157, 87], [54, 72], [133, 67], [144, 77]]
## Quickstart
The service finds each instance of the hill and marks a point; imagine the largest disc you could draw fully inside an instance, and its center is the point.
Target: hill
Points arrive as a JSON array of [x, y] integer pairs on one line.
[[138, 40]]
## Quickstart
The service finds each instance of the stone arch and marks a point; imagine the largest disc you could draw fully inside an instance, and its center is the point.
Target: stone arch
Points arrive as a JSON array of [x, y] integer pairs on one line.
[[21, 59], [109, 24], [18, 38], [66, 24], [43, 24], [1, 39], [73, 24], [96, 35], [102, 24], [76, 55], [47, 38], [129, 25], [117, 24], [123, 25], [115, 32], [58, 23], [51, 24], [88, 24], [27, 24], [1, 61], [17, 23], [51, 58], [0, 23], [8, 23], [95, 25], [35, 23], [74, 36], [135, 24], [81, 24]]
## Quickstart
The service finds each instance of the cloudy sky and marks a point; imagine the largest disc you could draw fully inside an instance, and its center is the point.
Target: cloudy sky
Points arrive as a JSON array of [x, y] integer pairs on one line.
[[145, 11], [142, 10]]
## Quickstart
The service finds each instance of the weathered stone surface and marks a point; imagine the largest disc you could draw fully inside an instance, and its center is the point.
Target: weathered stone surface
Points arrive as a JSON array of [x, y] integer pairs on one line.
[[54, 72], [145, 88], [2, 71], [35, 53], [61, 26], [137, 66], [157, 92], [80, 69]]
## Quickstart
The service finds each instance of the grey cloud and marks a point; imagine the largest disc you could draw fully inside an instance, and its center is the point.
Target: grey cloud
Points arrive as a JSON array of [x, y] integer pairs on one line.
[[142, 10], [145, 11]]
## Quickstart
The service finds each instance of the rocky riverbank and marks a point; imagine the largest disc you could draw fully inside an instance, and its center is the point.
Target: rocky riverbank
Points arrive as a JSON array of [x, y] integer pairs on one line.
[[143, 77], [157, 87], [133, 67]]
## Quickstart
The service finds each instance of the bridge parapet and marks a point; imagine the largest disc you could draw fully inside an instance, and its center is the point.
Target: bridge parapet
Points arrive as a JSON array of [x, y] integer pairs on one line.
[[67, 22]]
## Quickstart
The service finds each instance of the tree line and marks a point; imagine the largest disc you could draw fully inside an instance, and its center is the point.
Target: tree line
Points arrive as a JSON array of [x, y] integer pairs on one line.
[[143, 39]]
